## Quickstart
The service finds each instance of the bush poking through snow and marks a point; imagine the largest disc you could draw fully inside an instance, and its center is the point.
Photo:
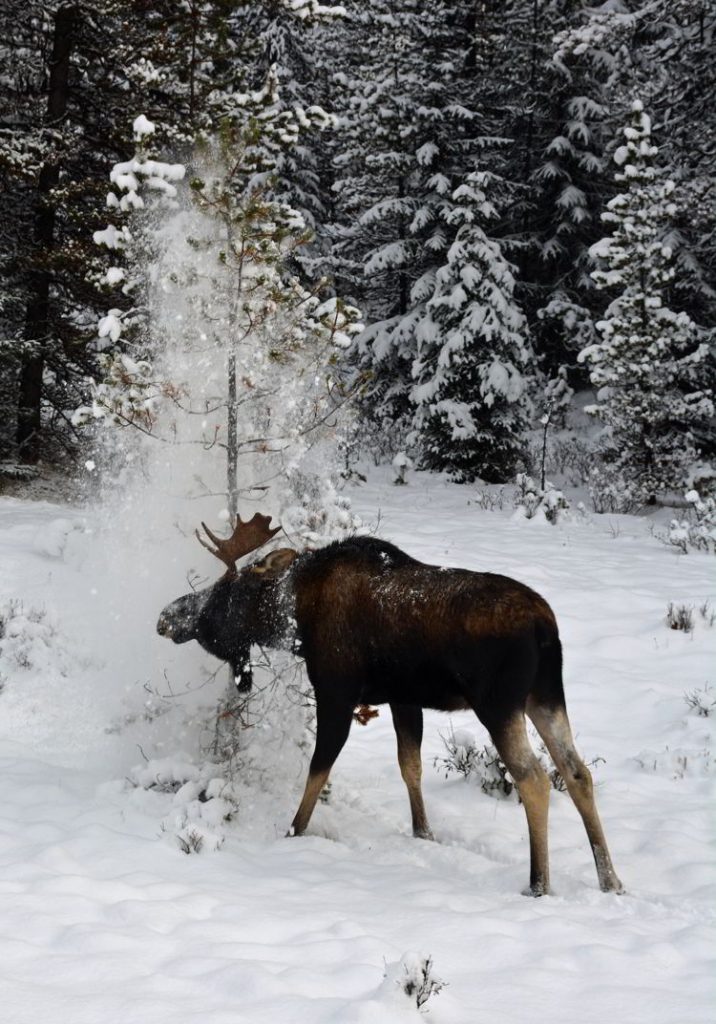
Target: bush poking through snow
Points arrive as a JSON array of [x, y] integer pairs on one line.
[[414, 975], [465, 758], [609, 493], [484, 764], [707, 614], [489, 501], [199, 801], [190, 841], [533, 502], [680, 617], [698, 531], [701, 700], [677, 763], [27, 639], [401, 464]]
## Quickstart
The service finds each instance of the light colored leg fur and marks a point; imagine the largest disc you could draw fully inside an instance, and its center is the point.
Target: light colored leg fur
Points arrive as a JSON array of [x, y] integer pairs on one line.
[[534, 789], [553, 727]]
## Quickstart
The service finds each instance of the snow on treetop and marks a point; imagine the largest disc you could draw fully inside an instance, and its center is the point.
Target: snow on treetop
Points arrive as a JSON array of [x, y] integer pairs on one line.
[[141, 127]]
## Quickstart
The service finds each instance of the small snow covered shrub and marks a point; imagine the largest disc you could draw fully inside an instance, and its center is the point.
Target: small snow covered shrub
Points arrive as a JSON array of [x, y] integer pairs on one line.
[[531, 501], [490, 500], [609, 493], [701, 700], [698, 531], [401, 464], [199, 801], [572, 458], [190, 841], [464, 757], [26, 636], [707, 614], [678, 763], [414, 975], [680, 617], [556, 780]]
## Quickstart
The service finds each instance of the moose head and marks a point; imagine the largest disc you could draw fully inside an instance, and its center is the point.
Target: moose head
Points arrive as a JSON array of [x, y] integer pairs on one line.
[[239, 609]]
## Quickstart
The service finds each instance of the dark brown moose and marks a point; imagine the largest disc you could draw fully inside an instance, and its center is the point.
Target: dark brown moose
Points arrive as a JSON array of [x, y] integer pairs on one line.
[[375, 626]]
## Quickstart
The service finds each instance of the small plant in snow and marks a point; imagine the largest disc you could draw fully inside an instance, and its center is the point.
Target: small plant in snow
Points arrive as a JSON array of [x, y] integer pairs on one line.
[[465, 758], [414, 974], [533, 501], [677, 763], [698, 531], [27, 638], [556, 780], [707, 614], [190, 841], [680, 617], [701, 700], [401, 464], [609, 493], [489, 500], [199, 802]]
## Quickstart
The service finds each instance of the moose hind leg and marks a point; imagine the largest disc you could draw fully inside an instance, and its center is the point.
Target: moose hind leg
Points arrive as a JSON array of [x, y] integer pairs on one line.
[[408, 723], [510, 738], [553, 726], [333, 724]]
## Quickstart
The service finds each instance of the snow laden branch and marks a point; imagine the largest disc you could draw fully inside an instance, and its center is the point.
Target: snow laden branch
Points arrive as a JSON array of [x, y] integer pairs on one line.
[[128, 393]]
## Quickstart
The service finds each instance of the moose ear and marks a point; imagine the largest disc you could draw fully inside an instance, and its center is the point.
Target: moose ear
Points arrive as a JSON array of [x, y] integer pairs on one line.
[[275, 562]]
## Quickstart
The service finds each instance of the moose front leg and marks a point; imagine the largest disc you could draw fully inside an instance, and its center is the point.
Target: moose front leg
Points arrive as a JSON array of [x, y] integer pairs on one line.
[[333, 723], [408, 722]]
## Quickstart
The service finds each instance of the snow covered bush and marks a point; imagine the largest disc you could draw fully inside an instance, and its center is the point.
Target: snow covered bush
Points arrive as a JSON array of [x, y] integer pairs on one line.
[[28, 638], [567, 456], [200, 800], [464, 757], [678, 762], [610, 493], [414, 976], [701, 700], [680, 617], [531, 501], [648, 363], [698, 532], [401, 464]]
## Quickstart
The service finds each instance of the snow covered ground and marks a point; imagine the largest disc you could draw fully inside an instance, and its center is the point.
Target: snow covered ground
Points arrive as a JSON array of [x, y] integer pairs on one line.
[[105, 919]]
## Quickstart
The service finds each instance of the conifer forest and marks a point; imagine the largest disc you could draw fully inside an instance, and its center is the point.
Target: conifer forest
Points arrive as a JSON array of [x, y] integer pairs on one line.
[[468, 217], [357, 511]]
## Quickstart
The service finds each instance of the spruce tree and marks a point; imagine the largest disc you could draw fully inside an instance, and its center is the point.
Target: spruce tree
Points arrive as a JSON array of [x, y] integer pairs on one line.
[[472, 352], [648, 362]]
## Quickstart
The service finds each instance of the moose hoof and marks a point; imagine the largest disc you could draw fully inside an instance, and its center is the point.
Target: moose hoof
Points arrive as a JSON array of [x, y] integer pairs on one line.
[[536, 889], [613, 885], [424, 833]]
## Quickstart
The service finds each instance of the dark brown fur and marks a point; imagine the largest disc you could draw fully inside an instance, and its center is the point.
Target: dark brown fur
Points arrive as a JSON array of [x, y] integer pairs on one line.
[[375, 626]]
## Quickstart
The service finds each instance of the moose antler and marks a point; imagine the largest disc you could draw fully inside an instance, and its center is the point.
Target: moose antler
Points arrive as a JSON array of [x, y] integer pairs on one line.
[[246, 537]]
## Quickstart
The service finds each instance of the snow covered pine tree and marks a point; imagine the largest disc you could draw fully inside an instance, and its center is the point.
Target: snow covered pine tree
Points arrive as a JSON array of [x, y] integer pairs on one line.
[[647, 364]]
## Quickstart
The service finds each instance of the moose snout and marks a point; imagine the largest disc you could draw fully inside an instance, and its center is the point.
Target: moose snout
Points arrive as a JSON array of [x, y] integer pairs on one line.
[[164, 626]]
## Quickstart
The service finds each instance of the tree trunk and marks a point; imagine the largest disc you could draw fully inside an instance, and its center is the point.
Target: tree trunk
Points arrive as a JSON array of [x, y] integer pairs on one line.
[[232, 443], [37, 326]]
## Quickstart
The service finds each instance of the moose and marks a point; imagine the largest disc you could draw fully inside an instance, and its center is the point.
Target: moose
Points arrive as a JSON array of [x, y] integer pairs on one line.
[[376, 626]]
